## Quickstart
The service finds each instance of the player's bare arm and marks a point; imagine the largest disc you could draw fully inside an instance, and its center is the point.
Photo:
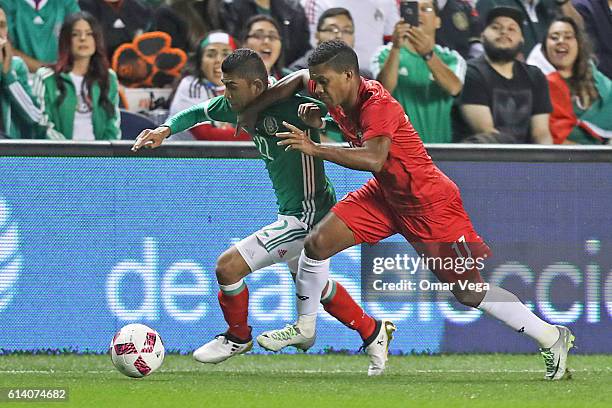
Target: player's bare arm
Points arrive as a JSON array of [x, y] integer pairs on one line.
[[151, 138], [370, 157], [283, 89]]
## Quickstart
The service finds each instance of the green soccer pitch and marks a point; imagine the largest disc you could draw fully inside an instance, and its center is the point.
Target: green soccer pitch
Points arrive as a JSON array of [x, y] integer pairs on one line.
[[335, 381]]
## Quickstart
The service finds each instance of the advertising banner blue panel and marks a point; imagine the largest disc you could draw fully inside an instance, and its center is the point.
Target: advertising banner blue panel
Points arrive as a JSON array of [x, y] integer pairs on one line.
[[90, 244]]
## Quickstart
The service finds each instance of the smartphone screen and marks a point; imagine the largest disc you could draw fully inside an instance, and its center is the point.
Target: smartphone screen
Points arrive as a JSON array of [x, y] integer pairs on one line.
[[409, 11]]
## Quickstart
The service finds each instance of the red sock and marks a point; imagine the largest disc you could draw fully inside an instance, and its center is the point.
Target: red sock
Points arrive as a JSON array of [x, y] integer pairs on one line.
[[235, 307], [342, 306]]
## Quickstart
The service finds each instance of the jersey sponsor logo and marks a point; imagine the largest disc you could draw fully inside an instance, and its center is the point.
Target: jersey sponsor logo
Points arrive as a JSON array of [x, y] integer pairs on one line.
[[270, 125], [460, 21]]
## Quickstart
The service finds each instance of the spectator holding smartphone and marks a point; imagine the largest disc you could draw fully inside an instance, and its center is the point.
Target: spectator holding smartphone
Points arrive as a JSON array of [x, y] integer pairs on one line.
[[421, 75]]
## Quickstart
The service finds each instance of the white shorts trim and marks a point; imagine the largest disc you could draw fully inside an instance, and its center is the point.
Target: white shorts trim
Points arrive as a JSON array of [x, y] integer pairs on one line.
[[281, 241]]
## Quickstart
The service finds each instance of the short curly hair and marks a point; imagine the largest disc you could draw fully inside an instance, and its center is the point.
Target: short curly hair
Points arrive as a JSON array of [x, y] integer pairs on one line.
[[336, 54]]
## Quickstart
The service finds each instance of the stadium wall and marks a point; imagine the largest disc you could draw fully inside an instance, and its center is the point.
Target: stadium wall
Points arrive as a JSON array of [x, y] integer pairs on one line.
[[93, 236]]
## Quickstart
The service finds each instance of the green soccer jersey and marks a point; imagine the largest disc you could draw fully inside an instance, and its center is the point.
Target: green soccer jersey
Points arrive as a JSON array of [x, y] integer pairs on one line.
[[426, 103], [35, 32], [299, 181]]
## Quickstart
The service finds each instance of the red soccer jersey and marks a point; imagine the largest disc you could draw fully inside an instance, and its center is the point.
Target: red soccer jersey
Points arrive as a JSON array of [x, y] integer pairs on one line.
[[410, 181]]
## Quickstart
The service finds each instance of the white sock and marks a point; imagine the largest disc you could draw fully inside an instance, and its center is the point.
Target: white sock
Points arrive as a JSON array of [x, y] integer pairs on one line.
[[231, 288], [311, 279], [307, 324], [505, 306]]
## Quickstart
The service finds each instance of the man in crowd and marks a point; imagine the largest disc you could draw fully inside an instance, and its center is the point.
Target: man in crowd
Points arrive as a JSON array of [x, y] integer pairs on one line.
[[334, 23], [422, 76], [373, 20], [503, 100], [535, 14]]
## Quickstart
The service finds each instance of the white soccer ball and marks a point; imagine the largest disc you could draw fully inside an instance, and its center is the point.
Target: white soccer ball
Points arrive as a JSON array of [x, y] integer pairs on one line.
[[137, 350]]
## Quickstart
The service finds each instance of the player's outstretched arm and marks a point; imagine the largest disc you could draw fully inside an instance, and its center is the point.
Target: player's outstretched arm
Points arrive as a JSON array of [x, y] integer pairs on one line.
[[151, 138], [283, 89], [370, 157]]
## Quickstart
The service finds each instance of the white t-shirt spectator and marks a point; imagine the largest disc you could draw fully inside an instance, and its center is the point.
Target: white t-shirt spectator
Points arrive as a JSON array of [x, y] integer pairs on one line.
[[83, 125], [373, 20], [192, 92]]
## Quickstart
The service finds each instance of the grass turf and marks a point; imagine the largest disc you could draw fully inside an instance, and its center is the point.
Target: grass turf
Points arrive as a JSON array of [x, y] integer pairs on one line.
[[315, 381]]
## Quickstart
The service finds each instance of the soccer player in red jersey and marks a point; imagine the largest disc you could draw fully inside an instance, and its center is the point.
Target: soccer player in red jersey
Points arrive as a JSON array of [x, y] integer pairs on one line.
[[408, 195]]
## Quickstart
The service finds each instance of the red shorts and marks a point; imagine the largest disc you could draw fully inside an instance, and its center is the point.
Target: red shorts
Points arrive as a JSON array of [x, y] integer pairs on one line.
[[443, 233]]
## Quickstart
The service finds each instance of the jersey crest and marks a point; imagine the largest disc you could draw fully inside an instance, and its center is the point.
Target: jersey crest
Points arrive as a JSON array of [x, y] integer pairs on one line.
[[270, 125]]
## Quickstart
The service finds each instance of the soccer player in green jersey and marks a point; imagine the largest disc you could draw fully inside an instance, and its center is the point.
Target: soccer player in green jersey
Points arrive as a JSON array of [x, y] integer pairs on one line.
[[304, 195]]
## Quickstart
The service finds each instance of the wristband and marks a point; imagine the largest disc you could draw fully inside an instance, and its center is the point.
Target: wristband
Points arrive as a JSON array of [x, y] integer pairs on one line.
[[428, 56]]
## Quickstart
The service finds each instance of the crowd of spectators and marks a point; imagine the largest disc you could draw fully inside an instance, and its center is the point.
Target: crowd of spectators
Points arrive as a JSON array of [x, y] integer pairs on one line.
[[470, 71]]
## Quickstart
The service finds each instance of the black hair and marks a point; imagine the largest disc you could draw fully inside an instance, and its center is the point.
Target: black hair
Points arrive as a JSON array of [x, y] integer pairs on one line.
[[337, 54], [247, 64], [333, 12]]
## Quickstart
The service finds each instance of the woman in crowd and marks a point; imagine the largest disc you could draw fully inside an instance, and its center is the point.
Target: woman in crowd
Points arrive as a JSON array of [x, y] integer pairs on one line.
[[262, 35], [581, 95], [202, 81], [78, 95]]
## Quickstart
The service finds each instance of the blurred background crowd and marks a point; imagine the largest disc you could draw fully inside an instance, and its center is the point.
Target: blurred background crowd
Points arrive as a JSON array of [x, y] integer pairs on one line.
[[465, 71]]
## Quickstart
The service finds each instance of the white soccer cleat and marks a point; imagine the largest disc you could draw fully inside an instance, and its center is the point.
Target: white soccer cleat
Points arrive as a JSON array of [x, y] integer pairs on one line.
[[377, 346], [222, 347], [555, 357], [290, 335]]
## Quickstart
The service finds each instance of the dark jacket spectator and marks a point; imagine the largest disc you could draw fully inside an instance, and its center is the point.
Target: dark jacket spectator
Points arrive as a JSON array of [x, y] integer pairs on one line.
[[121, 20], [597, 15], [289, 14], [460, 29], [188, 21]]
